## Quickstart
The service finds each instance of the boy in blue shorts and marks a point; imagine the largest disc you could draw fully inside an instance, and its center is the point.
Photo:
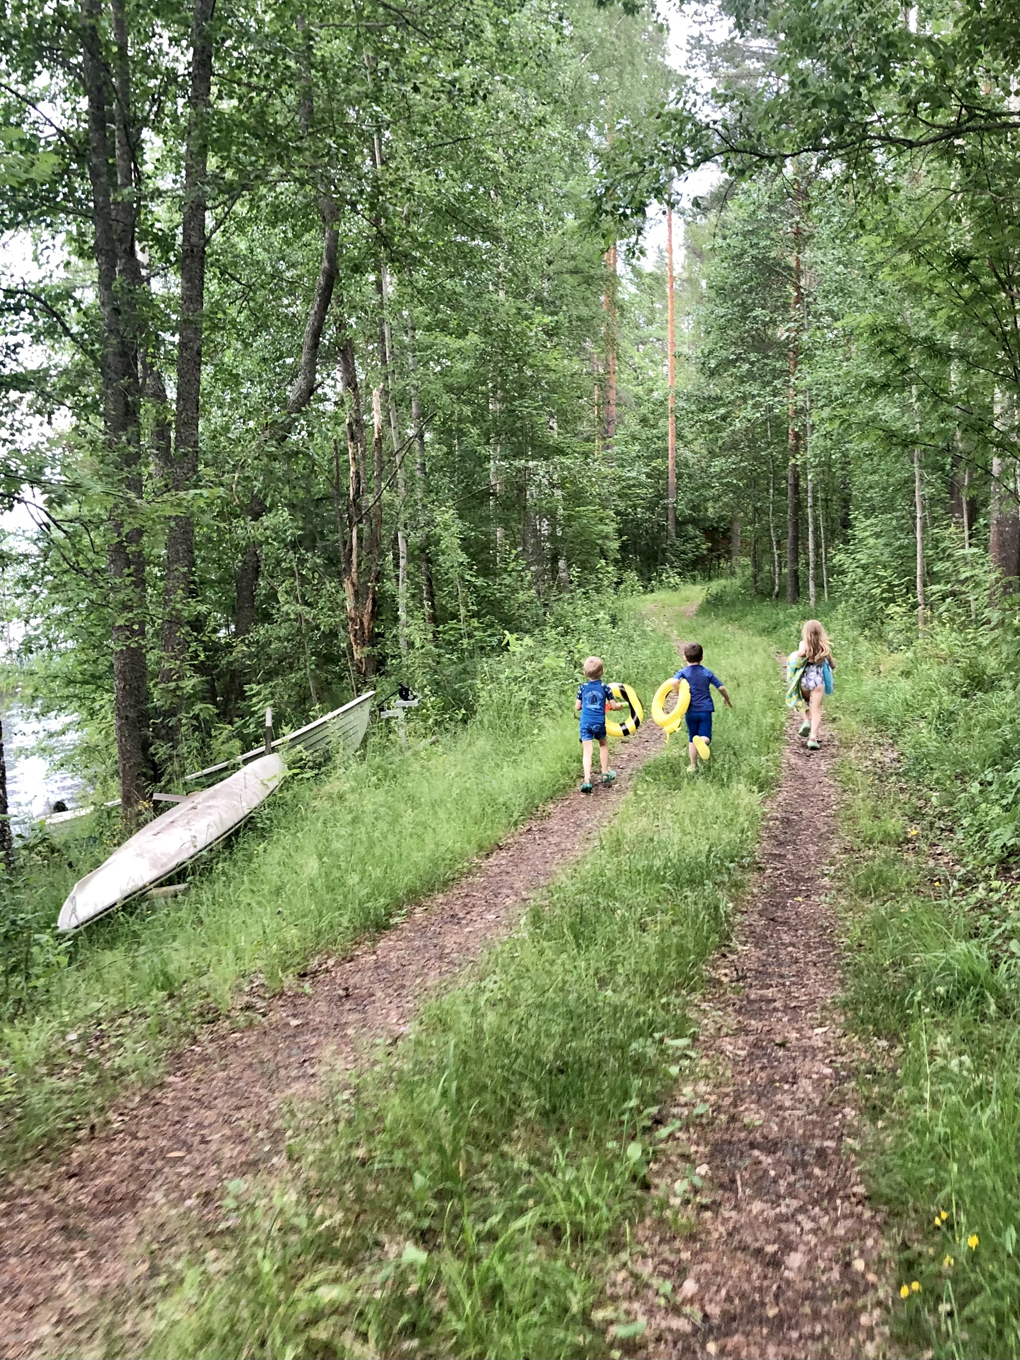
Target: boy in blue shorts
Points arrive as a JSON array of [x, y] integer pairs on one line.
[[593, 698], [699, 712]]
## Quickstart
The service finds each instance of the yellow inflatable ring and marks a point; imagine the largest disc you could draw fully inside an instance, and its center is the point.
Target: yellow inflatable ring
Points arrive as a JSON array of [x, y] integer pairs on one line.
[[669, 722], [630, 725]]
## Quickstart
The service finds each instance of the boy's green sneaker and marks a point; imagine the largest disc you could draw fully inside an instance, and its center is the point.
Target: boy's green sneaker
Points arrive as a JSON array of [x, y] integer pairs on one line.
[[812, 745], [586, 786], [609, 776], [805, 728], [691, 769]]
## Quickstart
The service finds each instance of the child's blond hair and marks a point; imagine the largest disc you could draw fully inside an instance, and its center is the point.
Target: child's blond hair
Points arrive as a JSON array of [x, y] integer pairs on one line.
[[816, 642], [593, 668]]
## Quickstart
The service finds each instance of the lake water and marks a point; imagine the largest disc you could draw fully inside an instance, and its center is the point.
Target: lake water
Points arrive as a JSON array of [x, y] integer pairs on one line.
[[34, 783]]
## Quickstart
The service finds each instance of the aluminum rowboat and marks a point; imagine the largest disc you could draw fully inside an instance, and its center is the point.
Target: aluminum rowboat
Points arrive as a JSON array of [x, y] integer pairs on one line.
[[159, 849], [345, 726]]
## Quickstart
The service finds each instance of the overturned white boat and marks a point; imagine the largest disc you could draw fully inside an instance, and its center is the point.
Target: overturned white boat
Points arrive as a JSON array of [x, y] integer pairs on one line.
[[159, 849]]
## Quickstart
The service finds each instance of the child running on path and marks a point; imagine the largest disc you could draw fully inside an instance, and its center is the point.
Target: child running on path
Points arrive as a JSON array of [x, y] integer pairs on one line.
[[699, 712], [593, 698], [815, 656]]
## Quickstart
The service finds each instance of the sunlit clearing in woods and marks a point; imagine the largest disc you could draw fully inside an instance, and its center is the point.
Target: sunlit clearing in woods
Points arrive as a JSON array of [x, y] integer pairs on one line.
[[341, 352]]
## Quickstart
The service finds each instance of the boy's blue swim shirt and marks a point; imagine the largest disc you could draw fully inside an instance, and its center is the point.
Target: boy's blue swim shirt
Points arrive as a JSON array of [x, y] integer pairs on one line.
[[593, 696], [699, 678]]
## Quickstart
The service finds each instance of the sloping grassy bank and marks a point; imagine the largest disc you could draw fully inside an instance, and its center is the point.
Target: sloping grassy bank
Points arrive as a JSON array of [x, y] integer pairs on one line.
[[928, 894], [328, 859], [461, 1198]]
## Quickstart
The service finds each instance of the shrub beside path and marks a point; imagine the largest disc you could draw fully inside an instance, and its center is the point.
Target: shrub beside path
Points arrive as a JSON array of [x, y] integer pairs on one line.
[[768, 1248], [74, 1229]]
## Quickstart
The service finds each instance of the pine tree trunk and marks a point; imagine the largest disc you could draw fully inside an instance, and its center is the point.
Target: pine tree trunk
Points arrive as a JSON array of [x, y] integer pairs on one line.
[[428, 593]]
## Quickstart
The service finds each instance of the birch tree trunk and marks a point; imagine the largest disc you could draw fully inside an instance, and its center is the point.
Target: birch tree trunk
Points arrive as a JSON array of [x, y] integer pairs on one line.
[[793, 426], [428, 593], [671, 378]]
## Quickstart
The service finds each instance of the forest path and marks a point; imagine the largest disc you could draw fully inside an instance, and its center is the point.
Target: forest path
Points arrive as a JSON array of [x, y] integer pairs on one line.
[[74, 1229], [775, 1254]]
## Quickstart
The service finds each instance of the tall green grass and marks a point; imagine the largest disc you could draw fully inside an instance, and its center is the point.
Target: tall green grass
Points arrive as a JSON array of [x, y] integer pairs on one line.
[[330, 858], [461, 1198]]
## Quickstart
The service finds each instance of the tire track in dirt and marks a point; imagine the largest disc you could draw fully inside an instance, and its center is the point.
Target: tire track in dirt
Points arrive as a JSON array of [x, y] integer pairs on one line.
[[777, 1254], [73, 1230]]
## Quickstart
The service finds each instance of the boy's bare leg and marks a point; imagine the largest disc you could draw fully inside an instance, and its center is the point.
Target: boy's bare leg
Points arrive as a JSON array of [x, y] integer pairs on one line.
[[815, 708], [692, 752], [604, 754], [586, 760]]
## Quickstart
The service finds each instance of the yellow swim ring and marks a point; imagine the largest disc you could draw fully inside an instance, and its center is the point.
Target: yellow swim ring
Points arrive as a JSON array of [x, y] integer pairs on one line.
[[669, 722], [630, 725]]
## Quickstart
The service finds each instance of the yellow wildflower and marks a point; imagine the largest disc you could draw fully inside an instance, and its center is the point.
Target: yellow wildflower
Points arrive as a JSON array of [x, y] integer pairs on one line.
[[904, 1291], [915, 1288], [972, 1241], [943, 1215], [913, 831], [947, 1261]]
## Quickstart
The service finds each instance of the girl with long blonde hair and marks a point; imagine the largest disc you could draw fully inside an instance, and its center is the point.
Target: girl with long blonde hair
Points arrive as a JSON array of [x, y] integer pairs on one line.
[[817, 653]]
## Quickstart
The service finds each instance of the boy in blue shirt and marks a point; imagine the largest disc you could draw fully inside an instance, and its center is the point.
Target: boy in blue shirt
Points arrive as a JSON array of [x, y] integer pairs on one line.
[[699, 712], [593, 698]]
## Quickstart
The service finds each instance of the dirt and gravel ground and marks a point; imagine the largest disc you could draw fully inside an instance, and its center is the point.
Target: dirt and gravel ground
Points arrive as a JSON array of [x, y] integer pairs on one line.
[[72, 1230], [765, 1247]]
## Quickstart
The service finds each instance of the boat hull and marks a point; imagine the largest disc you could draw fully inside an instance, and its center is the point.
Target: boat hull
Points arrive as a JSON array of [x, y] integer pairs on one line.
[[170, 841]]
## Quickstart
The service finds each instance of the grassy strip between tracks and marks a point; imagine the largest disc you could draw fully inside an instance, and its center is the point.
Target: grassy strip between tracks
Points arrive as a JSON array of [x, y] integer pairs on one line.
[[461, 1197], [328, 859]]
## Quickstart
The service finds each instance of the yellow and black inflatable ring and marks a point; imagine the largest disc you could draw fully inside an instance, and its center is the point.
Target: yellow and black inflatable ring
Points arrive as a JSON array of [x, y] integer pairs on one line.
[[627, 728], [670, 722]]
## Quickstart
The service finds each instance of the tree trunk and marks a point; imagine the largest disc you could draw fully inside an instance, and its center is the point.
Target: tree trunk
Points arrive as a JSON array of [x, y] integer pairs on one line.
[[919, 538], [772, 532], [825, 568], [794, 436], [178, 580], [609, 307], [428, 593], [671, 379], [1004, 508], [6, 835], [812, 591], [117, 276], [387, 365], [1004, 520], [734, 545], [359, 518]]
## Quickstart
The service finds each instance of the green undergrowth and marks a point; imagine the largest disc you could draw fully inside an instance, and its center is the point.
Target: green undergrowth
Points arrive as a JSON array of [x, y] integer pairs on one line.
[[931, 743], [933, 988], [331, 857], [462, 1196]]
